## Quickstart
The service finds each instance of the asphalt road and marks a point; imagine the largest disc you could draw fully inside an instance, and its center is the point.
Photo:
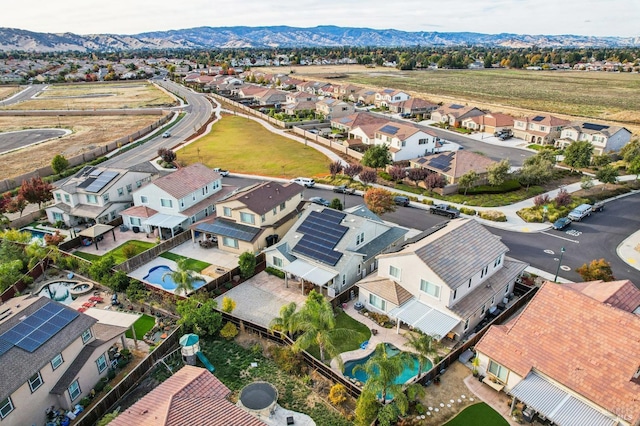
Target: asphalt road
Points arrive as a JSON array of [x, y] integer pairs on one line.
[[14, 140], [198, 109], [24, 95]]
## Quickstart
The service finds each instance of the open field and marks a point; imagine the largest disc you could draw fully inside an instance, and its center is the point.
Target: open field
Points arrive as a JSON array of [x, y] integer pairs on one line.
[[597, 95], [88, 133], [244, 146], [97, 96], [6, 91]]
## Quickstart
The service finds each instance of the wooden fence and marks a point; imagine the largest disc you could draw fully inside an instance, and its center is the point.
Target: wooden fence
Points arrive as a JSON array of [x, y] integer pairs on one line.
[[155, 251], [109, 401], [333, 144], [214, 284]]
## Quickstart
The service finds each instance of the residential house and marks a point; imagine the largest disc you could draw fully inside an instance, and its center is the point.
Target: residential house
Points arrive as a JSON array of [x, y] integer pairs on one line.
[[178, 199], [254, 217], [453, 114], [488, 123], [539, 129], [413, 106], [345, 91], [386, 97], [363, 97], [296, 102], [456, 273], [51, 356], [333, 108], [349, 122], [94, 194], [191, 395], [455, 164], [332, 249], [312, 87], [406, 141], [270, 97], [604, 138], [326, 91], [571, 355]]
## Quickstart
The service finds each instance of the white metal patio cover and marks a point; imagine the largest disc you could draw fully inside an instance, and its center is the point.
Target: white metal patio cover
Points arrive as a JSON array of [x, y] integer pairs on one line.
[[429, 320], [162, 220], [556, 404], [309, 272]]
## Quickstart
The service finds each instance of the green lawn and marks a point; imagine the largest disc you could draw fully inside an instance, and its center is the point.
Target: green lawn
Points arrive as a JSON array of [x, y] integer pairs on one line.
[[478, 415], [242, 145], [345, 321], [118, 252], [192, 264], [142, 326]]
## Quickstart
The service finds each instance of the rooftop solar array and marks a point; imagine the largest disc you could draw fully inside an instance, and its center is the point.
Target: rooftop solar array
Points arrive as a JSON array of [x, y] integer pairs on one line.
[[322, 232], [538, 118], [390, 129], [36, 329], [95, 173], [456, 106], [101, 181], [596, 127], [442, 162], [229, 229]]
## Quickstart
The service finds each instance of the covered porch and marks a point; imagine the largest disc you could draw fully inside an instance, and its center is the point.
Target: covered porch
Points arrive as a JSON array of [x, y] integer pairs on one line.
[[96, 233], [167, 225], [308, 273], [425, 318]]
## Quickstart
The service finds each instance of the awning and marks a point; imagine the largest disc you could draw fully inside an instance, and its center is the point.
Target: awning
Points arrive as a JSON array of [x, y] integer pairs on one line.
[[429, 320], [556, 404], [309, 272], [162, 220], [96, 230]]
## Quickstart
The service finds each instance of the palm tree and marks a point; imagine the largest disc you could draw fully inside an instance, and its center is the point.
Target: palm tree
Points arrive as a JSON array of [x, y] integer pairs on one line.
[[183, 277], [425, 345], [287, 321], [37, 254]]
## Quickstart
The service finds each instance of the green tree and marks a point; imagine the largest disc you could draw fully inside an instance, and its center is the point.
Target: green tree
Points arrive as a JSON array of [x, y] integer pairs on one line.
[[101, 269], [247, 264], [336, 204], [426, 347], [287, 321], [183, 277], [36, 254], [367, 407], [228, 304], [10, 272], [533, 173], [59, 164], [631, 151], [607, 174], [201, 318], [377, 156], [498, 173], [578, 154], [596, 270], [468, 180], [634, 167], [586, 183], [379, 201]]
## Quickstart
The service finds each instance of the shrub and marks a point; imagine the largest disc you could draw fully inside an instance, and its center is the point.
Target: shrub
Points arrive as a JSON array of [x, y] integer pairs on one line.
[[229, 331], [493, 215], [338, 394], [467, 210], [563, 198], [273, 271], [541, 200], [228, 285], [85, 401], [129, 251], [507, 186], [111, 374], [247, 264], [98, 387], [107, 388], [287, 360], [531, 214]]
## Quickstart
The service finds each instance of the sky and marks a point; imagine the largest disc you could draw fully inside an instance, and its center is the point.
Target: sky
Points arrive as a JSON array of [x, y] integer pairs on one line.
[[581, 17]]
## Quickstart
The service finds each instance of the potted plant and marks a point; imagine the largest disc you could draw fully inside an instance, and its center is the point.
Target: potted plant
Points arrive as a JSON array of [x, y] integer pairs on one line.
[[475, 362]]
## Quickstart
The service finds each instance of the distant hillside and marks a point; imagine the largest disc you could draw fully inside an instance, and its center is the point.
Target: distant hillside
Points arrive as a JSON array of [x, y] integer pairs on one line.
[[281, 36]]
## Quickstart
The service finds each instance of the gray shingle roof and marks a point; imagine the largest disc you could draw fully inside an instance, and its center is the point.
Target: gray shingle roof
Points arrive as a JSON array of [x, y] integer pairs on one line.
[[186, 180], [459, 250], [380, 243], [266, 196], [18, 365]]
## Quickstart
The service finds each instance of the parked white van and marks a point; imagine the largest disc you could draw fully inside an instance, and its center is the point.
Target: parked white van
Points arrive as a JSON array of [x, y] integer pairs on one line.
[[306, 182], [579, 212]]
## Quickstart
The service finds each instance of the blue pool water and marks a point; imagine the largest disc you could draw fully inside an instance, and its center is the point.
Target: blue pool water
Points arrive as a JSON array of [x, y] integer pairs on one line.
[[36, 234], [155, 277], [409, 371], [58, 291]]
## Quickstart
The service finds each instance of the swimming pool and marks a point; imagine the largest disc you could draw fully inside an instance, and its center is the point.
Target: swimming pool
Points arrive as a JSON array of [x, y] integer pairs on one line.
[[36, 234], [407, 374], [155, 274], [58, 291]]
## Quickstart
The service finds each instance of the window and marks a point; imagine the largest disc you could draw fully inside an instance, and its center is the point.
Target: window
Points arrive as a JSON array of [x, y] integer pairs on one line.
[[483, 309], [101, 363], [498, 261], [506, 289], [499, 371], [138, 183], [58, 216], [484, 271], [129, 189], [430, 288], [543, 128], [277, 262], [35, 382], [6, 406], [74, 391], [86, 336], [120, 192], [377, 302], [57, 361], [226, 211], [182, 202], [263, 218], [422, 141], [67, 199], [282, 206], [247, 218], [135, 221], [92, 199], [143, 199], [230, 242], [469, 283], [359, 269], [166, 203], [394, 272], [193, 196], [58, 197], [105, 197], [455, 294], [360, 238], [466, 324], [493, 299]]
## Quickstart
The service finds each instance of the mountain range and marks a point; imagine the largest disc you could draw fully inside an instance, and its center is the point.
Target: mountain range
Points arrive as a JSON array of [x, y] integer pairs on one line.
[[287, 37]]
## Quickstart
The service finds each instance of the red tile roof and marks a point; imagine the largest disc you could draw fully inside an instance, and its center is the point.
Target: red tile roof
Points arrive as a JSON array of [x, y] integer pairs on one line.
[[186, 180], [585, 345], [192, 396], [139, 211], [619, 294], [494, 120]]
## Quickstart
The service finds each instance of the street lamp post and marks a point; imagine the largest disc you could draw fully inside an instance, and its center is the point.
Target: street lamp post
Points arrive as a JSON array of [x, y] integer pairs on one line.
[[562, 250]]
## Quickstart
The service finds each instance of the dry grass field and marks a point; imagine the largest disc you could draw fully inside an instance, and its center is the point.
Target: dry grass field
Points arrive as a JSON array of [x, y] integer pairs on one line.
[[88, 132], [6, 91], [97, 96], [572, 94]]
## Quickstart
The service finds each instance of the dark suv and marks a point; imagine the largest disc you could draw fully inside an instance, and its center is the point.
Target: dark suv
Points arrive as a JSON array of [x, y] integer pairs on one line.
[[401, 200]]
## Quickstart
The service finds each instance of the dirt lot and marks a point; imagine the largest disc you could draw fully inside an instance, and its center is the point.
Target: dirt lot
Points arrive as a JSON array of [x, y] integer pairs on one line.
[[88, 133], [6, 91], [97, 96]]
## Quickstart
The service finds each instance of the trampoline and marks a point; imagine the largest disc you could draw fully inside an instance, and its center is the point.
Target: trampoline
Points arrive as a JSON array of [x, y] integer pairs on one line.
[[259, 397]]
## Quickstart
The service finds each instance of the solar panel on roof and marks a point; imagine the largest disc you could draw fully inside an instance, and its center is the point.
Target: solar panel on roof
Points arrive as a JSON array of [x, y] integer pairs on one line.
[[322, 232], [390, 129], [102, 181], [538, 118], [456, 106], [95, 173], [595, 127]]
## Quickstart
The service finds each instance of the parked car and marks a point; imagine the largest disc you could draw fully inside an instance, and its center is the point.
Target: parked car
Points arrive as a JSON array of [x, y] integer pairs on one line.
[[561, 223], [221, 172], [505, 136], [344, 189], [598, 207], [580, 212], [319, 200], [166, 135], [401, 200], [445, 210], [306, 182]]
